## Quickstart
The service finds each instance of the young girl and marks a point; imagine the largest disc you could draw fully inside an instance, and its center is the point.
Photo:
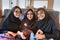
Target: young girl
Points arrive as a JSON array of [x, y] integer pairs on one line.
[[46, 25], [12, 22], [27, 23]]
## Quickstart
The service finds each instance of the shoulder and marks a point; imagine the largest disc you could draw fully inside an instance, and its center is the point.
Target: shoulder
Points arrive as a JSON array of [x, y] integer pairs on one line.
[[51, 21], [53, 24]]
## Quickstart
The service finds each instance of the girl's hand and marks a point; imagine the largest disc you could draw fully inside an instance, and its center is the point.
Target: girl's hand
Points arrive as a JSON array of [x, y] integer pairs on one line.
[[21, 35], [9, 35], [39, 31], [12, 33], [40, 34]]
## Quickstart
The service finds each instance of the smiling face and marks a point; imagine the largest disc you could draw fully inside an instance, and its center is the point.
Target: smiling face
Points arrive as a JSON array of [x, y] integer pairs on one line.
[[17, 12], [30, 15], [41, 15]]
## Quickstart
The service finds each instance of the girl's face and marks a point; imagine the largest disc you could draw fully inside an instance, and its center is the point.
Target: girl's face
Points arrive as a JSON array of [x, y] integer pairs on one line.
[[17, 13], [41, 15], [30, 15]]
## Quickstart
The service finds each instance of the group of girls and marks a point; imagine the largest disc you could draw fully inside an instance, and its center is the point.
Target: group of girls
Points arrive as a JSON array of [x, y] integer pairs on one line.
[[33, 22]]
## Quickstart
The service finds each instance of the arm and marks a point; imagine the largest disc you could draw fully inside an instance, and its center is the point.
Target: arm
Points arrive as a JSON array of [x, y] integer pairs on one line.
[[40, 34], [54, 31]]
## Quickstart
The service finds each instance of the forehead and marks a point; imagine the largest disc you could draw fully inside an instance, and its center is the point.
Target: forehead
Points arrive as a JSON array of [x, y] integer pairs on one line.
[[17, 9], [29, 12], [41, 11]]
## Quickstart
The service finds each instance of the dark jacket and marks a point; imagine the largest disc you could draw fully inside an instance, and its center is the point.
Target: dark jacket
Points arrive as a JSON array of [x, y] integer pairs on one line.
[[49, 29], [11, 23], [47, 25], [27, 25]]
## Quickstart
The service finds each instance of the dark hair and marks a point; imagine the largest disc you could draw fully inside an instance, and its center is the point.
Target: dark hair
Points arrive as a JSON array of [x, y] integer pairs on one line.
[[41, 9], [13, 9], [32, 12], [47, 16], [29, 22]]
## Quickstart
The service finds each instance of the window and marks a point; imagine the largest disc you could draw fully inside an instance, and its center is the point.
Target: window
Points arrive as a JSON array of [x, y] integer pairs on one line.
[[22, 3], [38, 4]]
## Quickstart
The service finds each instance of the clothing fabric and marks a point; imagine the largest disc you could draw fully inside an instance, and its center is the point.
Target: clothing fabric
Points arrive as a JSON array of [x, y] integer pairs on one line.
[[11, 23]]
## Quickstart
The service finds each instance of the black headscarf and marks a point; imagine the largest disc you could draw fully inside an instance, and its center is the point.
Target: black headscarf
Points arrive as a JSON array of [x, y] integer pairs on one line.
[[44, 21], [11, 23], [47, 25]]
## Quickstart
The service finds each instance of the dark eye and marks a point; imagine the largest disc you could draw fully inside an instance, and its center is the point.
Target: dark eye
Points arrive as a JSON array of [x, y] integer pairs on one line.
[[38, 32], [16, 11]]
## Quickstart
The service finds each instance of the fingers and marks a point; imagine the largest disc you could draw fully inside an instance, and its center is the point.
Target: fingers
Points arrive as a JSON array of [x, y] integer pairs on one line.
[[12, 33], [39, 34], [8, 35], [21, 35], [40, 31]]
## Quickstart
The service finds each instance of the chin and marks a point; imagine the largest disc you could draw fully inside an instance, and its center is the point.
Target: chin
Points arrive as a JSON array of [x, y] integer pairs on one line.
[[29, 19], [41, 18], [17, 17]]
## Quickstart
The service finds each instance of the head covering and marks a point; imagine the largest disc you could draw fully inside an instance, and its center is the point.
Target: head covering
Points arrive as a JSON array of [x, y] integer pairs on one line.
[[47, 25], [47, 16], [45, 21], [11, 22], [29, 21], [26, 23]]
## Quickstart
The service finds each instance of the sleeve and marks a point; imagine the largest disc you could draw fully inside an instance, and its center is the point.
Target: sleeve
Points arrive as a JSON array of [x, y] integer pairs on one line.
[[3, 27], [20, 28], [54, 31]]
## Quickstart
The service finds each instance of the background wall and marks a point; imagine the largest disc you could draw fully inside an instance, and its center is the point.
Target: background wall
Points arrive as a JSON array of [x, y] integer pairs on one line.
[[0, 4], [5, 5], [56, 5], [0, 8], [59, 18]]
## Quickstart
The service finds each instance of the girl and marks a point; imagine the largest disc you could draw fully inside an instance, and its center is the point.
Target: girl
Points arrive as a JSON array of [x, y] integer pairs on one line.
[[12, 22], [46, 25], [27, 23]]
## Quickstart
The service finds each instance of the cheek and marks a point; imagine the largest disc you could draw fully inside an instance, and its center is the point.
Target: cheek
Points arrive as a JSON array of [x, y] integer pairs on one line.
[[16, 15], [31, 16], [43, 16], [27, 16], [38, 16]]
